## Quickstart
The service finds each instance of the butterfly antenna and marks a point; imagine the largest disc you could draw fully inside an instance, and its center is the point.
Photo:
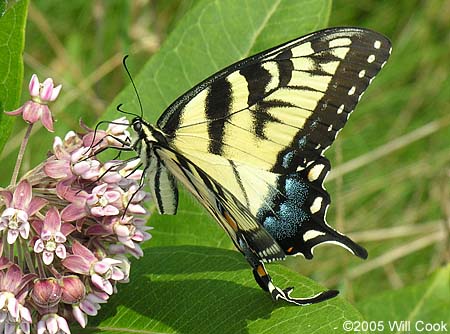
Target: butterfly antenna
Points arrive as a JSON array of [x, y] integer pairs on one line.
[[124, 61], [92, 145], [119, 109]]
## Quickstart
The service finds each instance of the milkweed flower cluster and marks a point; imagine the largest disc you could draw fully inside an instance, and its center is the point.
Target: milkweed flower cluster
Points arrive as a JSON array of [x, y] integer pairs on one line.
[[67, 227]]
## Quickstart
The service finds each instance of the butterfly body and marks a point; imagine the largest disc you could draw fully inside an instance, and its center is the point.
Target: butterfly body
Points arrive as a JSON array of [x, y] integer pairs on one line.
[[248, 143]]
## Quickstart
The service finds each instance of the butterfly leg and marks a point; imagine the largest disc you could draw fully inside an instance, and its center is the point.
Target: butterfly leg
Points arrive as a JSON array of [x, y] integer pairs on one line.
[[264, 280]]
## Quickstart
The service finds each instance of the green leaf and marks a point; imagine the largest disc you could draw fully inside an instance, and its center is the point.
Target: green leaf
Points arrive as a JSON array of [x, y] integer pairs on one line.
[[428, 302], [192, 225], [191, 289], [2, 7], [12, 40]]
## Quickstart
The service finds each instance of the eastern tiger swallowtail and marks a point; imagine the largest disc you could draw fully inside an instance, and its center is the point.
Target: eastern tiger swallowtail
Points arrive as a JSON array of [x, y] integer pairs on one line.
[[248, 143]]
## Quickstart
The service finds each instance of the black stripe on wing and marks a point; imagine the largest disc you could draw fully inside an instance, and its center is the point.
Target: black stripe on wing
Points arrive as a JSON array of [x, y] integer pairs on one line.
[[258, 78], [367, 54], [218, 106]]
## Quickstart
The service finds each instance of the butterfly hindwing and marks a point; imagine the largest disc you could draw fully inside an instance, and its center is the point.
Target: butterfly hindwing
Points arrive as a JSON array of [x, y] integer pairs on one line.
[[233, 215], [161, 182]]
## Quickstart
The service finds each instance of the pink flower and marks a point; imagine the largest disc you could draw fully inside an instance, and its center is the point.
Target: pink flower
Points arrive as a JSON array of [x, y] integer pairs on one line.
[[20, 207], [68, 166], [110, 173], [59, 168], [89, 306], [131, 199], [104, 200], [15, 282], [80, 316], [121, 173], [83, 261], [37, 108], [13, 287], [75, 210], [130, 230], [101, 139], [16, 317], [52, 236], [131, 171], [52, 324], [85, 215], [130, 233]]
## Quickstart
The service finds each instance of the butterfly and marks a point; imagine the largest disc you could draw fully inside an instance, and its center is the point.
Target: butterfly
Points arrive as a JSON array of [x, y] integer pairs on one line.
[[248, 144]]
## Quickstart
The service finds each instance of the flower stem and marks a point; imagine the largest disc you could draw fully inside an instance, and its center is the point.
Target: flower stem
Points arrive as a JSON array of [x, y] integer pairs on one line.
[[11, 252], [40, 265], [19, 253], [5, 244], [20, 155], [27, 256]]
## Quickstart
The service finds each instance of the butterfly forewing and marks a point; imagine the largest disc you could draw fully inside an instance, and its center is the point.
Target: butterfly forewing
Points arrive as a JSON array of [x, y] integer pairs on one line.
[[293, 98]]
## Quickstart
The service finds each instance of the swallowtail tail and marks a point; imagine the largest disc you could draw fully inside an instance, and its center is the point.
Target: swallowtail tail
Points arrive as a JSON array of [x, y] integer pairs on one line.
[[248, 143]]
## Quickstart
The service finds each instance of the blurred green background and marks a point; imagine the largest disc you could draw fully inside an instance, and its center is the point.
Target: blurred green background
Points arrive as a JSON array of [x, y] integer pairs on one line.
[[390, 183]]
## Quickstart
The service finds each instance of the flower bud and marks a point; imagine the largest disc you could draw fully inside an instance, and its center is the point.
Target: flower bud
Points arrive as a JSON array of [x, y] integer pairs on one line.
[[46, 293], [73, 289]]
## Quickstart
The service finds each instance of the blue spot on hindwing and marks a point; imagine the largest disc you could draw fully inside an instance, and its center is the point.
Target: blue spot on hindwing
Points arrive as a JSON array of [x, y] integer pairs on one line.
[[302, 142], [287, 159], [279, 229], [288, 222], [289, 215], [296, 189]]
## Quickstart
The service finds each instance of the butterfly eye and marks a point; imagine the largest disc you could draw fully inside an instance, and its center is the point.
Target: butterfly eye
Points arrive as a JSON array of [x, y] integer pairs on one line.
[[137, 126]]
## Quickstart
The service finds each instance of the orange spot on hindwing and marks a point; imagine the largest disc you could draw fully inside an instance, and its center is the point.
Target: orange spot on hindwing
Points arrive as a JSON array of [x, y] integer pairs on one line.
[[261, 271], [230, 221]]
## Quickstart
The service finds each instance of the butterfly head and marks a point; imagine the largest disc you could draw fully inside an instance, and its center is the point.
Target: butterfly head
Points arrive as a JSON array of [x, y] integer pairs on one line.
[[147, 132], [136, 124]]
